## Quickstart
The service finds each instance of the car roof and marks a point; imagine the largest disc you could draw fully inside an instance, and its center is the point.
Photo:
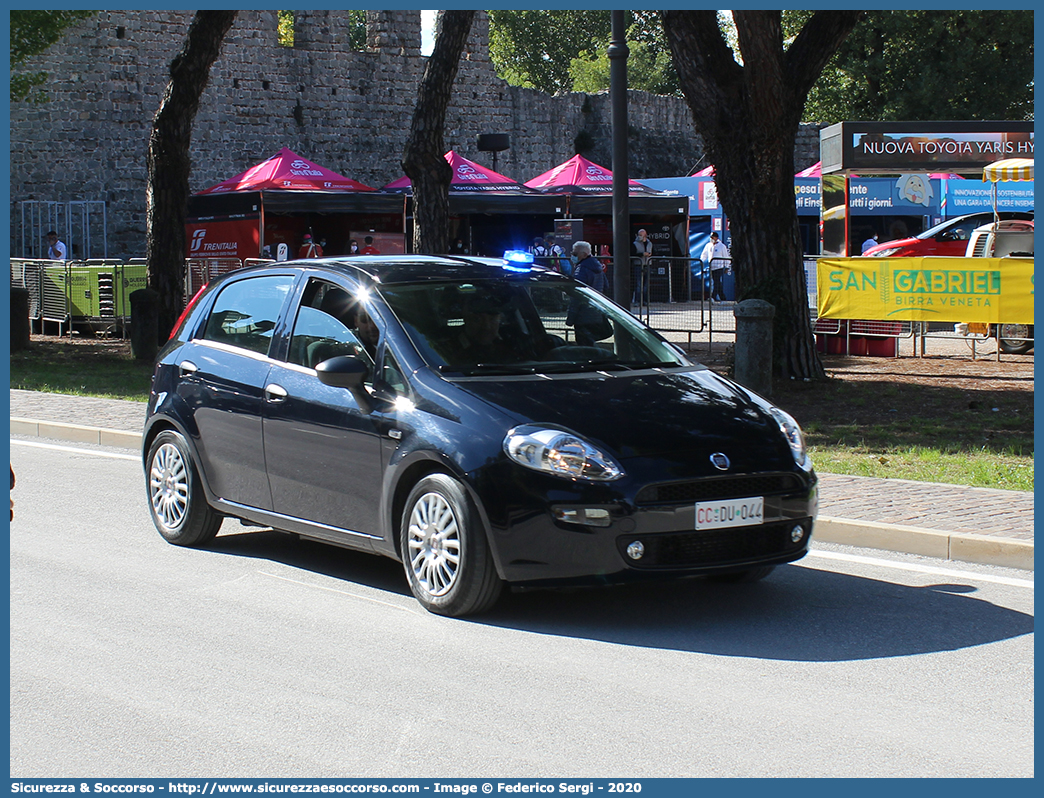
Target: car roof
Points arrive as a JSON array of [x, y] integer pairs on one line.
[[389, 269]]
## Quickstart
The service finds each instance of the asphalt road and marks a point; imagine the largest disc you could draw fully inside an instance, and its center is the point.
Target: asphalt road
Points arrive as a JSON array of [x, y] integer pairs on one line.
[[266, 657]]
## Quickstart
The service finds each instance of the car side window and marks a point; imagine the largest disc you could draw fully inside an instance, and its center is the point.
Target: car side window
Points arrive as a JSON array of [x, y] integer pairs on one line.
[[392, 377], [324, 327], [245, 312]]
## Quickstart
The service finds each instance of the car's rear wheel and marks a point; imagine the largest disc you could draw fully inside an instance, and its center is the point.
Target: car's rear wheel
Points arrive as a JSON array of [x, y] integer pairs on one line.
[[176, 500], [444, 549], [1015, 339], [745, 577]]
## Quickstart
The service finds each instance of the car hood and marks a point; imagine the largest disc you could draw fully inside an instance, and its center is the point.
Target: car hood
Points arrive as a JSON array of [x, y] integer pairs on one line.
[[681, 414], [899, 242]]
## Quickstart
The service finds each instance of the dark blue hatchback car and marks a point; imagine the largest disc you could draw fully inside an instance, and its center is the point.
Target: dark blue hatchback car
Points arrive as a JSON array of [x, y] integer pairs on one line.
[[484, 422]]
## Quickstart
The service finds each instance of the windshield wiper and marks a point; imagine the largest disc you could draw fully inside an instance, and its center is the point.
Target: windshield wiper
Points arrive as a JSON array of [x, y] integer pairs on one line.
[[489, 368]]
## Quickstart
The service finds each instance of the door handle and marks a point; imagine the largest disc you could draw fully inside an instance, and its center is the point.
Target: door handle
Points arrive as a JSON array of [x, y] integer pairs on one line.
[[186, 367], [275, 393]]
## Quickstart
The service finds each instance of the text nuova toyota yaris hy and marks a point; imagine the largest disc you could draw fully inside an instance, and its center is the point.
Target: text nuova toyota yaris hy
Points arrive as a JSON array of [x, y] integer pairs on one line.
[[487, 423]]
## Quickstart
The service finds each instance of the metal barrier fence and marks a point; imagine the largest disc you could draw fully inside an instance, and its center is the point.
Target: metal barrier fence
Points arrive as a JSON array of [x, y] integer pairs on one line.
[[94, 295], [200, 271]]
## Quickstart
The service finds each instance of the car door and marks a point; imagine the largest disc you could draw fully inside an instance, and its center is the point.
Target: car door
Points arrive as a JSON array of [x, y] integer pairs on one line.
[[322, 452], [223, 373]]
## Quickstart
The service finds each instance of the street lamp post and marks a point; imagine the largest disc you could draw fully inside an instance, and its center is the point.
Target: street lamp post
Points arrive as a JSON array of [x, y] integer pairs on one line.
[[621, 217]]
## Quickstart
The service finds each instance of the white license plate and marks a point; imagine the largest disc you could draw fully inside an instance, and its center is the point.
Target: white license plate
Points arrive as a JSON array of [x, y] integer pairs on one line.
[[730, 512]]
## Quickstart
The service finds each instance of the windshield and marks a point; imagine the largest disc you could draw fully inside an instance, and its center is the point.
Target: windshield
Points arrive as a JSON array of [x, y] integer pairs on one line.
[[526, 326], [962, 228]]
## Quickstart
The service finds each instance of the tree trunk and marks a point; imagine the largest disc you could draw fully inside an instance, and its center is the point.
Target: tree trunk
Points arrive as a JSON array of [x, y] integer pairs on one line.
[[168, 164], [749, 117], [423, 158]]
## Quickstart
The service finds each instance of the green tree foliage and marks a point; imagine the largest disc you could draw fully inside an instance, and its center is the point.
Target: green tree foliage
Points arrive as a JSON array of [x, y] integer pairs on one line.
[[914, 65], [534, 49], [285, 28], [32, 32], [928, 65], [649, 65]]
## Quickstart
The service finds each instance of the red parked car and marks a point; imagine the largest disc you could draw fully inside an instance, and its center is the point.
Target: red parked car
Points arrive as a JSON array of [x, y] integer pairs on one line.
[[949, 238]]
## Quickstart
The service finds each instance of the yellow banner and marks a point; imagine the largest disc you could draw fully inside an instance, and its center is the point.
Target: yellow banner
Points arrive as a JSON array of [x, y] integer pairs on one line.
[[990, 290]]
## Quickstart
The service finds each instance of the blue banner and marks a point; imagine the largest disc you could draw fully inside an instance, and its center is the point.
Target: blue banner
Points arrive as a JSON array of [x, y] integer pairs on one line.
[[975, 196]]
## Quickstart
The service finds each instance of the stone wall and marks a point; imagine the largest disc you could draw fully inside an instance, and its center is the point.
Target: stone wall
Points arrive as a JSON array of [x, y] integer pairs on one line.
[[347, 110]]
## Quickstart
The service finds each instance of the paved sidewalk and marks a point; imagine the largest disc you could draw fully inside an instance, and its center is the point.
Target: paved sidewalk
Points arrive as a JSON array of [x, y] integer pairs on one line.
[[944, 521]]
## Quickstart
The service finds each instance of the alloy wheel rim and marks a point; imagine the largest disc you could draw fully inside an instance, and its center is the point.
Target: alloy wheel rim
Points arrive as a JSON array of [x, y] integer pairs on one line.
[[434, 544], [168, 486]]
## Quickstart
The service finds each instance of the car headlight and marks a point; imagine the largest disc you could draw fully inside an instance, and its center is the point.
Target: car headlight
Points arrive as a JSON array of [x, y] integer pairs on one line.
[[885, 253], [792, 432], [560, 452]]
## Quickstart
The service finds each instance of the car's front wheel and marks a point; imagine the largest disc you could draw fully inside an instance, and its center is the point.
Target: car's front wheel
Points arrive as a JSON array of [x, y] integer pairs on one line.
[[444, 549], [176, 500]]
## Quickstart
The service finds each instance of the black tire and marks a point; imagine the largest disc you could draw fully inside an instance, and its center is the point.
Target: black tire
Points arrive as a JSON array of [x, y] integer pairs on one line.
[[1015, 339], [176, 499], [745, 577], [444, 549]]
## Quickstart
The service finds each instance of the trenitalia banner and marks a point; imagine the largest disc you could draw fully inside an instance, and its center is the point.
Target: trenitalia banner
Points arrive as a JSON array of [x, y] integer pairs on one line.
[[990, 290], [227, 238]]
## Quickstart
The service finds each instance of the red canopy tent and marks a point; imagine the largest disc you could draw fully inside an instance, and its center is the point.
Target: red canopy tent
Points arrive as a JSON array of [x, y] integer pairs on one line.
[[287, 171], [468, 176], [229, 219], [581, 176]]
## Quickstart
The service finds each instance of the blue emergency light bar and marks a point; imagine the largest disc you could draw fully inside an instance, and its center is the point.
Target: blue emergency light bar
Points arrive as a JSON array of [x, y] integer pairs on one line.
[[516, 258]]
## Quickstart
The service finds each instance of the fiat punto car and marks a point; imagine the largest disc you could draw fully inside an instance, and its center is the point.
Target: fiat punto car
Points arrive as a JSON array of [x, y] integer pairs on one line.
[[487, 423]]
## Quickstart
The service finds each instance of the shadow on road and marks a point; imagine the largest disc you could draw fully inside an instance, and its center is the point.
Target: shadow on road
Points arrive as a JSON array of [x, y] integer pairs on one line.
[[797, 614]]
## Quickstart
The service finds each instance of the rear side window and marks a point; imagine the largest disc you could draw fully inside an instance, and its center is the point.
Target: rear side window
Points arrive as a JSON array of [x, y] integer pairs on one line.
[[246, 311]]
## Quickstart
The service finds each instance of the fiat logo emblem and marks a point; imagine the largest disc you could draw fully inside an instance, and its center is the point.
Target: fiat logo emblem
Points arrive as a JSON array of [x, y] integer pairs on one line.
[[720, 461]]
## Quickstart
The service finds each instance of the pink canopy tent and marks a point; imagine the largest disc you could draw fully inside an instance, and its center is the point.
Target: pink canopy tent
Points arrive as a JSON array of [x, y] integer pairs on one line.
[[468, 176], [287, 171], [707, 171], [581, 176], [276, 201]]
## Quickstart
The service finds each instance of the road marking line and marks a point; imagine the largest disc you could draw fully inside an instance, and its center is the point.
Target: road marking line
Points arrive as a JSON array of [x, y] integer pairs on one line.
[[342, 592], [923, 569], [73, 450]]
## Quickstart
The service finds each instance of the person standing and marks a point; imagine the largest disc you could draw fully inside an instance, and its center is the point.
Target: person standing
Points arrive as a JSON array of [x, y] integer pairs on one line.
[[368, 247], [642, 249], [870, 242], [589, 269], [55, 248], [555, 253], [353, 247], [716, 256], [309, 249], [538, 250]]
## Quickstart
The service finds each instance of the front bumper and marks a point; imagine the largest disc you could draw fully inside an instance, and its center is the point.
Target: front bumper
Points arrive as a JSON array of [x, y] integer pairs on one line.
[[533, 546]]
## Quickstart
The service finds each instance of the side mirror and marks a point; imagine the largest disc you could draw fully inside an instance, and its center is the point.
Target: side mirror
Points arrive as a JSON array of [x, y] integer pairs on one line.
[[347, 371]]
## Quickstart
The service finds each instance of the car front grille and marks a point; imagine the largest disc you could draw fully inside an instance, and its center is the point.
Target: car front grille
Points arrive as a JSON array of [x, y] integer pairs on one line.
[[715, 547], [719, 488]]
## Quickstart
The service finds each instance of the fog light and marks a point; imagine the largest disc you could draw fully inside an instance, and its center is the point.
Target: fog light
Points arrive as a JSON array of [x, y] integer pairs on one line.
[[636, 550], [797, 533], [585, 516]]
